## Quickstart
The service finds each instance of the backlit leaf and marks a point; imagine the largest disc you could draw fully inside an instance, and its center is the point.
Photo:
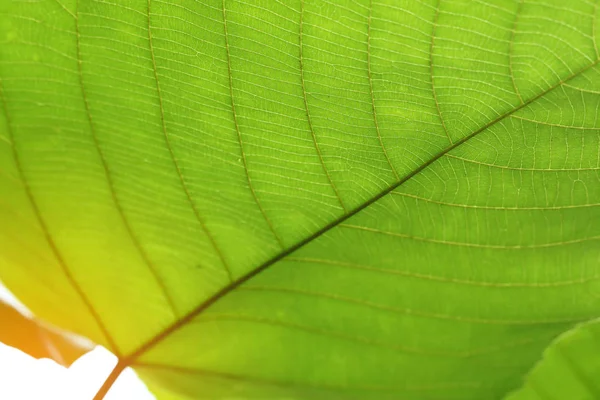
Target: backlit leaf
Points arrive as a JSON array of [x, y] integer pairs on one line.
[[309, 199], [570, 368], [36, 339]]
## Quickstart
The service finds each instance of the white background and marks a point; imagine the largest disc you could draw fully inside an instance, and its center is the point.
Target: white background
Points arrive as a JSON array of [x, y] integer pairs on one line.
[[24, 378]]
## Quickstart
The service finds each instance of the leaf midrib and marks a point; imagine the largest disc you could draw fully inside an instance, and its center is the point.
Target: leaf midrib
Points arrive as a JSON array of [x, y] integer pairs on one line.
[[130, 359]]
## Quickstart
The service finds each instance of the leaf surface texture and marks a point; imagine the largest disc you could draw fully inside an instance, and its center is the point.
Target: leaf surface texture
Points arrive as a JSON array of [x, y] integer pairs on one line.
[[305, 199]]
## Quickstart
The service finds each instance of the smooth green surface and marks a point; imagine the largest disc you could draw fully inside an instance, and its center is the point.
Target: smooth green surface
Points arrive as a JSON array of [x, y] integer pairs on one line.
[[155, 152], [570, 368]]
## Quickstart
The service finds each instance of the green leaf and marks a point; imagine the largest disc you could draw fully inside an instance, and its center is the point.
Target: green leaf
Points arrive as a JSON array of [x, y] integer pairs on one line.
[[569, 370], [37, 339], [305, 199]]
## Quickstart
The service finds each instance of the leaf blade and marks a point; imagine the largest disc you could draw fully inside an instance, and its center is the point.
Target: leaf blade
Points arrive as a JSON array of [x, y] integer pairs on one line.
[[509, 191]]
